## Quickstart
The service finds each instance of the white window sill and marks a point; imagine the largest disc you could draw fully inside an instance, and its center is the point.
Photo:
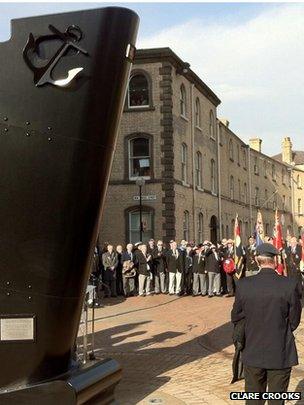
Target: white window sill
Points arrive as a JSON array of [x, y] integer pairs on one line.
[[184, 118], [186, 184], [199, 128], [200, 189]]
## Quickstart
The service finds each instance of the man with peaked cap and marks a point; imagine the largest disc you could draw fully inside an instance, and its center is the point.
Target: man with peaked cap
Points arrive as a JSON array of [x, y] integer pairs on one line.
[[271, 307]]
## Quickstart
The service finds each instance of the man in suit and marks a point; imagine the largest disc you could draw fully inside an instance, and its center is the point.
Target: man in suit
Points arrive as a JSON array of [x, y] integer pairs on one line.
[[175, 265], [199, 271], [128, 271], [143, 262], [110, 262], [271, 307], [229, 254], [212, 266], [159, 266], [293, 259], [250, 252]]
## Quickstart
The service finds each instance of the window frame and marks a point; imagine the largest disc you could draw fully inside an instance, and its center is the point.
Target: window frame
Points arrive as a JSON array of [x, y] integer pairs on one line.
[[149, 84]]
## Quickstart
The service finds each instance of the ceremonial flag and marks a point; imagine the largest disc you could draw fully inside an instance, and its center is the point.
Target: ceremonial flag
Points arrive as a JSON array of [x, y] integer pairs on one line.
[[279, 243], [238, 249], [259, 230]]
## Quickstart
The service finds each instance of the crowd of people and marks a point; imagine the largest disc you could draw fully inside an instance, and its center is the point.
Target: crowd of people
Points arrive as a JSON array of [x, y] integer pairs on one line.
[[184, 269]]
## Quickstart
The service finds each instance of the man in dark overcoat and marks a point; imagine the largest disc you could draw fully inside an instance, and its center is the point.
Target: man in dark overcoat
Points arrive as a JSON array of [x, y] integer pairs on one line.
[[271, 307]]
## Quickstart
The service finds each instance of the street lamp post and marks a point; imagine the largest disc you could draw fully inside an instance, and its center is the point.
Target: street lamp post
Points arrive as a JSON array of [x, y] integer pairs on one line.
[[140, 182]]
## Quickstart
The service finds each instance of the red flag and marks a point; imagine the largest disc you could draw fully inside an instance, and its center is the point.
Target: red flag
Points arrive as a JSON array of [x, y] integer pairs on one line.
[[278, 233]]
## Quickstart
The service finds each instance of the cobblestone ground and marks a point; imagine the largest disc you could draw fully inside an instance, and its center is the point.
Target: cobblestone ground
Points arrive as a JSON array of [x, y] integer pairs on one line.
[[175, 350]]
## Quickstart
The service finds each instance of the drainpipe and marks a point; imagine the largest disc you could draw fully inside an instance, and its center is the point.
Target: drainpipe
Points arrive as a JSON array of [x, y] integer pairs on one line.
[[193, 161], [219, 187]]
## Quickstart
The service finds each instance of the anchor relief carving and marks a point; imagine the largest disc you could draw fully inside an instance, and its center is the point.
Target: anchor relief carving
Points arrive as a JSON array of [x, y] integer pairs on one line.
[[43, 74]]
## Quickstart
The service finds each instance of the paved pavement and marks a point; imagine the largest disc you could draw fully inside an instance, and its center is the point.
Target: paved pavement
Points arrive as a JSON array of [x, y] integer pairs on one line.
[[175, 350]]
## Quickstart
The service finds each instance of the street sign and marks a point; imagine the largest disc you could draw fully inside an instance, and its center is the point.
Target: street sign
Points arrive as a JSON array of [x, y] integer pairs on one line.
[[145, 197]]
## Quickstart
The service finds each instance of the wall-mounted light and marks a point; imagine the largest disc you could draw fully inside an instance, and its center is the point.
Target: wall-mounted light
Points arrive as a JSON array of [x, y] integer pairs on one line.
[[183, 69]]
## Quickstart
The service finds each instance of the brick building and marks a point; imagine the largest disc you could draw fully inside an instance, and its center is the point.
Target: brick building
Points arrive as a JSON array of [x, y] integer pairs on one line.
[[197, 172]]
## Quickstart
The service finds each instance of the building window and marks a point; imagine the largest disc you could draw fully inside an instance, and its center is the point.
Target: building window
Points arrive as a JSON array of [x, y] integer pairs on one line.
[[267, 229], [256, 196], [231, 186], [199, 169], [283, 202], [299, 183], [200, 228], [266, 198], [231, 157], [283, 175], [244, 159], [273, 173], [134, 226], [183, 101], [138, 91], [240, 190], [256, 165], [299, 206], [184, 163], [238, 154], [265, 168], [211, 125], [197, 113], [245, 193], [139, 158], [186, 223], [213, 177]]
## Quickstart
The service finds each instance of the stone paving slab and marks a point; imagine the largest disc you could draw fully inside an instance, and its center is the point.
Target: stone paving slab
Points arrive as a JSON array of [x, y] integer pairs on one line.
[[177, 349]]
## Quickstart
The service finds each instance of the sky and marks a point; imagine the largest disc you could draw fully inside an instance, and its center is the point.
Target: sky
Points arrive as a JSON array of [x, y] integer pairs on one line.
[[250, 54]]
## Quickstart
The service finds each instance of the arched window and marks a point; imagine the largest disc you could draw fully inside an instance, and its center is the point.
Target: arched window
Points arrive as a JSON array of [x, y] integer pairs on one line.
[[240, 190], [183, 101], [139, 158], [211, 125], [244, 158], [299, 183], [256, 165], [267, 229], [186, 223], [265, 168], [283, 175], [231, 155], [184, 163], [283, 202], [238, 154], [197, 113], [256, 197], [274, 203], [138, 91], [266, 198], [299, 206], [198, 169], [231, 187], [133, 224], [273, 173], [200, 228], [245, 193], [213, 176]]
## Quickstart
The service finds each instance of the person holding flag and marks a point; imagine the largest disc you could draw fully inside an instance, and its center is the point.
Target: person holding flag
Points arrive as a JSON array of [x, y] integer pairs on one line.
[[278, 243], [233, 263], [259, 230], [239, 252]]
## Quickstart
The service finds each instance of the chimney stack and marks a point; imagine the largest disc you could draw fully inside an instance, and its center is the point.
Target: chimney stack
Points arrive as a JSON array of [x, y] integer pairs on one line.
[[287, 150], [256, 144]]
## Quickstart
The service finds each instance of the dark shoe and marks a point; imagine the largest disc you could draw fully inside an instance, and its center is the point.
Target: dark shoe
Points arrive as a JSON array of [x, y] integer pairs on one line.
[[229, 295], [204, 295], [210, 296]]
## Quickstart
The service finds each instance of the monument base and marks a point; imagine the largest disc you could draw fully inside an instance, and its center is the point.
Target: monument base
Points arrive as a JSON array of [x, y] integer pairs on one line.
[[91, 384]]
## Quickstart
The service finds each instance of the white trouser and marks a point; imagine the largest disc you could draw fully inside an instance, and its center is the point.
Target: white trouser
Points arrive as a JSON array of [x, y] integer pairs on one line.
[[175, 280]]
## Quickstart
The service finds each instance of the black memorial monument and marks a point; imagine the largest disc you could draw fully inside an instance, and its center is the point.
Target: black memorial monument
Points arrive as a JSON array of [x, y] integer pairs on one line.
[[62, 86]]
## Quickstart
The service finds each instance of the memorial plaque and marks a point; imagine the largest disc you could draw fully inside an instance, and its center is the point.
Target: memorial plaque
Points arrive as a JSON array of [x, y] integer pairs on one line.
[[17, 328]]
